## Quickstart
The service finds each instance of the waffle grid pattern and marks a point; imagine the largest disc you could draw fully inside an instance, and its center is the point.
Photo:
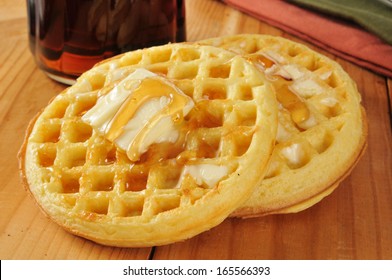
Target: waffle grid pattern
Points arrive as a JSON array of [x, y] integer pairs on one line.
[[302, 151], [314, 140], [330, 117]]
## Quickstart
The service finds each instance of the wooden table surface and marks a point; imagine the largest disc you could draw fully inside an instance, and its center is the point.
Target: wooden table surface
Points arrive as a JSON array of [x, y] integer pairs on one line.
[[354, 222]]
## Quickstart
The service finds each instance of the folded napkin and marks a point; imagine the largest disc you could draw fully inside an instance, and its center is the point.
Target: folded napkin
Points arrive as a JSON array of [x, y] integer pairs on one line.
[[333, 34], [372, 15]]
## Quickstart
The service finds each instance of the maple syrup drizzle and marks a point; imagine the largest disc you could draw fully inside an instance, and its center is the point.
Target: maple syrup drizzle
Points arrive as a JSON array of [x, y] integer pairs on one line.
[[289, 100], [260, 60], [148, 89]]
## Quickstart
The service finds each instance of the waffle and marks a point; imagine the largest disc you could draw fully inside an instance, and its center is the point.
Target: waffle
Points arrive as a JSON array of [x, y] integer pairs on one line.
[[322, 125], [90, 187]]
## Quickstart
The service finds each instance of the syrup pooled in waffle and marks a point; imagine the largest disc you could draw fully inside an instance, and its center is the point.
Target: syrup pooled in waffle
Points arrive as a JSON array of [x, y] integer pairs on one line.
[[322, 125], [174, 190]]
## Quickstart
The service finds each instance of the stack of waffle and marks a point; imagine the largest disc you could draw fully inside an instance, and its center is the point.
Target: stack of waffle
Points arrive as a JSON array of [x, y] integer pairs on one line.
[[158, 145]]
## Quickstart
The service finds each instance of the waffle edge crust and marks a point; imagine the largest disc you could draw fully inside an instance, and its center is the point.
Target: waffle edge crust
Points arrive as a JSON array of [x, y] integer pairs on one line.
[[88, 186], [309, 161]]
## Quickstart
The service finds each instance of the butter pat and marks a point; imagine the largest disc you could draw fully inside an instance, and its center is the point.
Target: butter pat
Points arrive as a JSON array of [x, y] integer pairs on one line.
[[293, 153], [282, 133], [106, 107], [329, 101], [307, 88], [141, 110], [293, 70], [209, 174]]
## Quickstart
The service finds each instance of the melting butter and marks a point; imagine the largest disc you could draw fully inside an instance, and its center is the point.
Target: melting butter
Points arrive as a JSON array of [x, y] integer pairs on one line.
[[293, 153], [142, 109], [307, 87], [291, 85], [209, 174]]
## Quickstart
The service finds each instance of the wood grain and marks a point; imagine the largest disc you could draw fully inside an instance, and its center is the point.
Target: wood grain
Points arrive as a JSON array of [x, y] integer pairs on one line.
[[354, 222]]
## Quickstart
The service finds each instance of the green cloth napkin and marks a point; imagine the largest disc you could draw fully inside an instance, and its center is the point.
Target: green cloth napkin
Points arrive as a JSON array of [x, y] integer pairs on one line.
[[372, 15]]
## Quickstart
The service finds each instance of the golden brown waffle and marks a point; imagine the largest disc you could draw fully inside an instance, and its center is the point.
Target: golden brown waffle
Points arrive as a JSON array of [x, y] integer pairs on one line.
[[90, 187], [322, 127]]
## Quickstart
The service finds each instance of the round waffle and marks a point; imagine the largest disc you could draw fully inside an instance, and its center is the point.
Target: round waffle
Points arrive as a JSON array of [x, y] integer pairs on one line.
[[322, 126], [90, 187]]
